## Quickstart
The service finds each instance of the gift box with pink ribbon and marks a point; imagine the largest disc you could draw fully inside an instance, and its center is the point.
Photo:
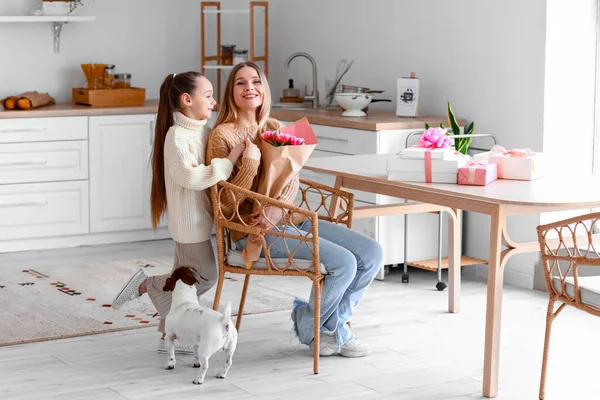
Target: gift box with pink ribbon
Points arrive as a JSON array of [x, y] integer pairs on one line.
[[432, 160], [477, 173], [518, 164]]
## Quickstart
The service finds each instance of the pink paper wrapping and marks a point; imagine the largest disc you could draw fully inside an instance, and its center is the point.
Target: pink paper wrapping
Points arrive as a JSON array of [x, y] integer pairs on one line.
[[280, 164], [477, 174]]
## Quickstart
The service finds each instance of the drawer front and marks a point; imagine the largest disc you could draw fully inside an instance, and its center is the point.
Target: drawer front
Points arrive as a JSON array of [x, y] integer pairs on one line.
[[21, 130], [44, 210], [345, 141], [43, 162]]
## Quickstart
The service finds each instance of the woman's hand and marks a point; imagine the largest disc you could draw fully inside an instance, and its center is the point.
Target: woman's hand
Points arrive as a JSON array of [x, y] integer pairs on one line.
[[236, 152], [266, 219], [252, 151]]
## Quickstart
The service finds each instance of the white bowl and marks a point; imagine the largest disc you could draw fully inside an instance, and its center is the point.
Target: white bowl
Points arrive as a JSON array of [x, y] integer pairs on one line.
[[353, 103]]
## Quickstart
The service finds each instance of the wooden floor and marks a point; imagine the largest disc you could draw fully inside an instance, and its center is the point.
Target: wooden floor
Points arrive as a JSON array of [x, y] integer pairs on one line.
[[419, 350]]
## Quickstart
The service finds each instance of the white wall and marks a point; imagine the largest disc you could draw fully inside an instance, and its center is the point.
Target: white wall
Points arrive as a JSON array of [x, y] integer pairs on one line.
[[486, 57], [148, 38]]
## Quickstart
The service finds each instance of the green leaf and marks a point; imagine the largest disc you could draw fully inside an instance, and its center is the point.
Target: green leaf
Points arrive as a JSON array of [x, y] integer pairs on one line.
[[453, 123], [469, 129], [426, 126]]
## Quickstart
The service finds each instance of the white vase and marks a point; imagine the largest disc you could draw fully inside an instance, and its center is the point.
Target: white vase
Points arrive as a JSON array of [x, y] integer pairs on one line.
[[56, 7]]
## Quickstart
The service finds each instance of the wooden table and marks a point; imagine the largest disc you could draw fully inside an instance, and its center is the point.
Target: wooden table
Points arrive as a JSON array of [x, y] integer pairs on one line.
[[500, 199]]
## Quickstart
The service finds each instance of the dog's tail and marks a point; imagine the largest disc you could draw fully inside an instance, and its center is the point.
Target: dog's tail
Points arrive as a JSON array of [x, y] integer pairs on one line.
[[227, 314]]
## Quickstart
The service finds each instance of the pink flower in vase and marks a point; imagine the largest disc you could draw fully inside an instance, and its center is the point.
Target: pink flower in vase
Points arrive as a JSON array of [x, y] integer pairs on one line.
[[434, 138]]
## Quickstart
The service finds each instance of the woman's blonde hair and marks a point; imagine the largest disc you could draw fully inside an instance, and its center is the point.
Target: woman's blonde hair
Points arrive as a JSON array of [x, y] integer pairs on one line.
[[228, 110]]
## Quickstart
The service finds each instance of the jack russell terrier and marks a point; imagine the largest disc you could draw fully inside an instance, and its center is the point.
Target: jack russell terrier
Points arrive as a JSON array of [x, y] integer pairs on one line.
[[207, 330]]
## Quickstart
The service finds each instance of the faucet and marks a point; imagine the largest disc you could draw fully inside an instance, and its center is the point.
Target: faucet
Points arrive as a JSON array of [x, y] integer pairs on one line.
[[314, 98]]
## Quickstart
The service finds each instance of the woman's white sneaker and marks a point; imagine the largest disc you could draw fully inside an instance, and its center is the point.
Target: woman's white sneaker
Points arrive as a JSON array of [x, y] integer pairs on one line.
[[355, 348], [130, 291], [327, 345]]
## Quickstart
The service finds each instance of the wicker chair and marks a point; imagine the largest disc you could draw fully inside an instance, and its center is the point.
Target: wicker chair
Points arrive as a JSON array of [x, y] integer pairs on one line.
[[565, 245], [317, 202]]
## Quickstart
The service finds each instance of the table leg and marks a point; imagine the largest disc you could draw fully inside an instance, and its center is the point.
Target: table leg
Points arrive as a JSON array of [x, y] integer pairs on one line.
[[494, 303], [454, 254]]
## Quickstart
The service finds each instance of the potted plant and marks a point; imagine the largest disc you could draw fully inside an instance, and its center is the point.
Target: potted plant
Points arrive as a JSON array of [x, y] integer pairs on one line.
[[460, 144]]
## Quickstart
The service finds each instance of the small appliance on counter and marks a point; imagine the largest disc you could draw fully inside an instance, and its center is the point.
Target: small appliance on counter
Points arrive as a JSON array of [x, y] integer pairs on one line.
[[105, 88], [408, 96], [291, 94]]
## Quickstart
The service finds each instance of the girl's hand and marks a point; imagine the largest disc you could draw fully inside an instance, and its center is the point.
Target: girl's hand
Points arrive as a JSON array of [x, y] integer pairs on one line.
[[252, 151], [236, 152]]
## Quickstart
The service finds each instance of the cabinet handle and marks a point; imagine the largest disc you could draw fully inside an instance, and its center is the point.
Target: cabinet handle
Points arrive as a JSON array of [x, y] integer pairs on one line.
[[333, 139], [22, 162], [9, 130], [25, 203]]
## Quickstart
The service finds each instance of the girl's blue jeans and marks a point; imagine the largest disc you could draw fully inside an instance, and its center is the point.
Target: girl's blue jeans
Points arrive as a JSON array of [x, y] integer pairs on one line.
[[351, 260]]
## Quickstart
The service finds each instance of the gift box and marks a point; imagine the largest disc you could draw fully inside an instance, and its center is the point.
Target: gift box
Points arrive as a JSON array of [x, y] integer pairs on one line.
[[477, 173], [416, 152], [426, 169], [517, 164]]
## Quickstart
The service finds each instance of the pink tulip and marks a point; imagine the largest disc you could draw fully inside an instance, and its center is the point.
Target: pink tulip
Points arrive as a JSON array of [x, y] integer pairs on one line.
[[278, 138], [434, 138]]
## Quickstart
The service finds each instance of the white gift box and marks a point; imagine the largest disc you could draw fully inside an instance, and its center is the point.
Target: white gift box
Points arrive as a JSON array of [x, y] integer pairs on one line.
[[416, 170], [417, 152], [517, 165]]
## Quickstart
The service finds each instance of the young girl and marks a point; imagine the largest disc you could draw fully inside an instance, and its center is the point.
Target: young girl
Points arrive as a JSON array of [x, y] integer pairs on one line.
[[351, 259], [179, 184]]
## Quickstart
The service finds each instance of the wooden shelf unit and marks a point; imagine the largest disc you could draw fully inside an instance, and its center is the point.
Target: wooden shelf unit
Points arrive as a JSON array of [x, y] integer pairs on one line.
[[214, 7]]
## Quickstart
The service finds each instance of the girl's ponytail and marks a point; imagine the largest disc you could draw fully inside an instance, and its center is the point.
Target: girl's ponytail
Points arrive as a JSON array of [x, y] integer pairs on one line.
[[164, 120], [171, 90]]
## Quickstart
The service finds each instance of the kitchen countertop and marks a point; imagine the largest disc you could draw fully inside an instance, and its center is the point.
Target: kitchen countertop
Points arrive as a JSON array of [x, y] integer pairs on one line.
[[376, 120], [74, 110]]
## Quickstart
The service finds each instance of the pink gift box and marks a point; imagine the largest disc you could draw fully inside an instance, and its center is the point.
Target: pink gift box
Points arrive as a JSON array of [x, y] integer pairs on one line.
[[478, 175]]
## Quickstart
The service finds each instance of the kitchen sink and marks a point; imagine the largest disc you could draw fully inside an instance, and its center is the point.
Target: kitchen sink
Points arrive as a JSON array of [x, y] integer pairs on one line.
[[292, 106]]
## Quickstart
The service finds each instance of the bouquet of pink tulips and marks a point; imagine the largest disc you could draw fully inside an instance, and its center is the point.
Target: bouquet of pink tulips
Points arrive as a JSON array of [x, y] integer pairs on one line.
[[279, 138], [283, 155]]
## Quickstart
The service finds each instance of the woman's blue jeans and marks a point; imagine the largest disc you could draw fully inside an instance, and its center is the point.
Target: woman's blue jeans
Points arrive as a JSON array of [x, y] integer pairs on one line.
[[352, 261]]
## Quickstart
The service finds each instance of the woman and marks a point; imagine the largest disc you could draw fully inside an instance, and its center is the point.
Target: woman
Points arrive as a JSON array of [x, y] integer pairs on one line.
[[351, 259]]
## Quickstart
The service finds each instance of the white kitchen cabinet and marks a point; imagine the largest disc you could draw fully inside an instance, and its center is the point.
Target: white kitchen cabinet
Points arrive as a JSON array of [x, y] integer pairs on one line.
[[43, 162], [120, 148], [20, 130], [43, 210]]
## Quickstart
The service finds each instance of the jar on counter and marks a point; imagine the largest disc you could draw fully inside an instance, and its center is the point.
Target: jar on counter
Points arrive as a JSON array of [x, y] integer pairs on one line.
[[240, 56], [122, 81], [227, 54], [108, 80]]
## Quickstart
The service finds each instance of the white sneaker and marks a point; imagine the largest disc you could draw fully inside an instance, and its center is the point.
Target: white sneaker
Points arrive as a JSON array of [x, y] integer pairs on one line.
[[352, 349], [355, 348], [327, 345], [180, 348], [130, 291]]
